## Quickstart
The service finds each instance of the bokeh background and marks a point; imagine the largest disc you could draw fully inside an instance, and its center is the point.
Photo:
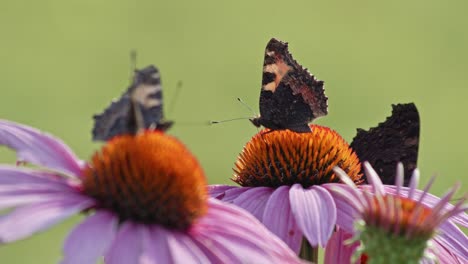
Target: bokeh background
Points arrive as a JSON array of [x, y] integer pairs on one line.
[[63, 61]]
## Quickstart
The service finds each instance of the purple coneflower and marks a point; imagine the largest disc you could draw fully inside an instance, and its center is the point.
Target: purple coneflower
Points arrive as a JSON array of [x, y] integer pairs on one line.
[[285, 179], [397, 224], [145, 197]]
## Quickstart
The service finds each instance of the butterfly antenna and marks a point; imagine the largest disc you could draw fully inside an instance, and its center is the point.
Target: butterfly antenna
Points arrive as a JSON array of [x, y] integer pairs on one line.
[[246, 106], [133, 63], [214, 122], [174, 97]]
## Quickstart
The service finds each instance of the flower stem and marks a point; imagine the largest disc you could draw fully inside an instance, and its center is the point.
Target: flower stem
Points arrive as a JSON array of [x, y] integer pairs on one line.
[[308, 252]]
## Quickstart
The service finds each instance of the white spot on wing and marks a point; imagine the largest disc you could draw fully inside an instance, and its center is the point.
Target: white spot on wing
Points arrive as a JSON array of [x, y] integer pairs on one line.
[[270, 86], [279, 69], [142, 94], [272, 68]]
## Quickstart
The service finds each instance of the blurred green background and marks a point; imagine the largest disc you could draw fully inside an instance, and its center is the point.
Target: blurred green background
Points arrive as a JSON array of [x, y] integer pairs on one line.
[[63, 61]]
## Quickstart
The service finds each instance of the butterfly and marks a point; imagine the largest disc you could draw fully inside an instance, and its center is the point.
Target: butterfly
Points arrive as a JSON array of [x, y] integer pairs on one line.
[[392, 141], [290, 96], [139, 107]]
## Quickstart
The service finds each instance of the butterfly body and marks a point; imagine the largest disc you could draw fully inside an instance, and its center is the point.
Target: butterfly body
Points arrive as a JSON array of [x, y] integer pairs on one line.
[[141, 103], [290, 97]]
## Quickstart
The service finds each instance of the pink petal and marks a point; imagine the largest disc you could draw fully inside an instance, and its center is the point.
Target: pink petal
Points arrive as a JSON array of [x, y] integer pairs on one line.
[[444, 255], [349, 203], [218, 190], [235, 236], [11, 176], [279, 219], [453, 239], [216, 251], [39, 148], [21, 199], [337, 250], [184, 250], [88, 241], [346, 215], [237, 249], [26, 220], [127, 246], [19, 186], [254, 200], [155, 246], [314, 211], [232, 193]]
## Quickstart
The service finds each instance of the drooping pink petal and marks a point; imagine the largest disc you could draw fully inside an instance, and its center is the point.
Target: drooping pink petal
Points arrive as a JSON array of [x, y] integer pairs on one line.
[[155, 246], [278, 218], [29, 219], [39, 148], [345, 214], [28, 188], [127, 246], [246, 239], [88, 241], [453, 238], [338, 250], [238, 249], [215, 250], [19, 186], [185, 250], [444, 255], [11, 200], [351, 195], [254, 200], [314, 211], [10, 176]]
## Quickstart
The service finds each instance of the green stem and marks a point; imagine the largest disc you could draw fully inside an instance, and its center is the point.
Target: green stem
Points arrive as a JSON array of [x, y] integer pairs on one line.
[[308, 252]]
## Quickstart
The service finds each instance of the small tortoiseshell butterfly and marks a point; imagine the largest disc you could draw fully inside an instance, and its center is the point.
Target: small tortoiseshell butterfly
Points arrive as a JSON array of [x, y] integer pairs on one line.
[[141, 103], [395, 140], [290, 97]]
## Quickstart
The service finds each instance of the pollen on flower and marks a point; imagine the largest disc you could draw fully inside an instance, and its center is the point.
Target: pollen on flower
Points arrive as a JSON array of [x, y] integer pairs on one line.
[[150, 177], [281, 157]]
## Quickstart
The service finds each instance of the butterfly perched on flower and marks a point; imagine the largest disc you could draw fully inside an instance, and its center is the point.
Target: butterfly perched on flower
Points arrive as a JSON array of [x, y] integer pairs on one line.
[[141, 103], [290, 97]]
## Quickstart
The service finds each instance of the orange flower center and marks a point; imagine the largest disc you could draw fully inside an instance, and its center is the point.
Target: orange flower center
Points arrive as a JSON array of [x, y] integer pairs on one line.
[[411, 215], [281, 157], [150, 178]]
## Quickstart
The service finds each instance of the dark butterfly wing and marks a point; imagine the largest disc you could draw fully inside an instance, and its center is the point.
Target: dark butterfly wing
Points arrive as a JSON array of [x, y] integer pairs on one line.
[[290, 97], [118, 118], [395, 140]]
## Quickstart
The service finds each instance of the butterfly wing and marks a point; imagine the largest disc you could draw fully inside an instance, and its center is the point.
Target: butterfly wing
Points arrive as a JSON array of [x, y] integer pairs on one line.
[[395, 140], [146, 93], [290, 97]]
